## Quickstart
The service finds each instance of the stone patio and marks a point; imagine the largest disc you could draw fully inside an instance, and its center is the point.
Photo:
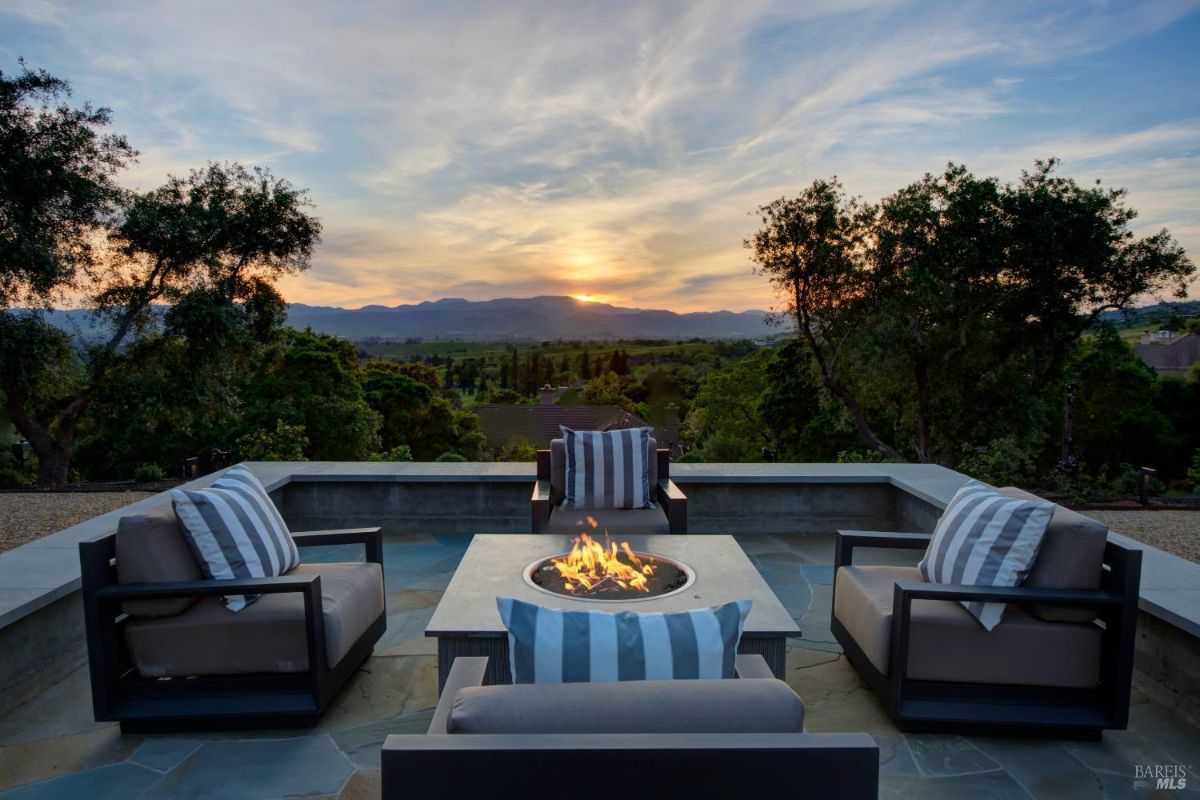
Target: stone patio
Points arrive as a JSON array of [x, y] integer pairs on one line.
[[51, 749]]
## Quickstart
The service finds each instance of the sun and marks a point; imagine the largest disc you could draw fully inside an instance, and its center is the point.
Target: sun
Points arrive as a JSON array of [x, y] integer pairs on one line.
[[586, 298]]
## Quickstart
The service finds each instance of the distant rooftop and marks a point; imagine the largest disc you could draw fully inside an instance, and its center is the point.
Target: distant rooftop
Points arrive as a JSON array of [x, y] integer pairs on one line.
[[1170, 353]]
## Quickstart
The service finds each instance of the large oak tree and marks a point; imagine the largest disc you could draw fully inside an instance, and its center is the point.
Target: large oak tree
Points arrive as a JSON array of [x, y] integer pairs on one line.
[[950, 305], [67, 230]]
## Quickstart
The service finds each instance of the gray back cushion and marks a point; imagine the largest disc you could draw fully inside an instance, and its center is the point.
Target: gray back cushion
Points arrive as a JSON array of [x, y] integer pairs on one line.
[[1071, 557], [685, 706], [151, 549], [558, 470]]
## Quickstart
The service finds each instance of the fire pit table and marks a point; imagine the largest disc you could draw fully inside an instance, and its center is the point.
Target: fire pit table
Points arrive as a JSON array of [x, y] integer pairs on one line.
[[689, 572]]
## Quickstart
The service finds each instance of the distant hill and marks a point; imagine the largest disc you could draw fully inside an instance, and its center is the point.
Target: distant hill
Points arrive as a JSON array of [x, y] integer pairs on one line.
[[1154, 314], [548, 317]]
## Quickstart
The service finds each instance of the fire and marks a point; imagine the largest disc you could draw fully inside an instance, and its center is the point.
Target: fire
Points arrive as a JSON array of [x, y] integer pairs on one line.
[[592, 567]]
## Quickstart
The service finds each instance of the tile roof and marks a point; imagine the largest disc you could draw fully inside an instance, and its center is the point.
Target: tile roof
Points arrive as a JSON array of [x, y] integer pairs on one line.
[[1175, 355], [539, 424]]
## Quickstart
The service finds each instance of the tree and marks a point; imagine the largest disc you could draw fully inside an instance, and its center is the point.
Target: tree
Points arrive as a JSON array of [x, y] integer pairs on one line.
[[57, 186], [605, 390], [725, 415], [505, 397], [223, 230], [314, 381], [811, 248], [940, 312], [1115, 420], [422, 373], [397, 397]]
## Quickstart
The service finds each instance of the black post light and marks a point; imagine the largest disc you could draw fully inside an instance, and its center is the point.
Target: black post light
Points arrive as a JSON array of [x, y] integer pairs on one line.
[[1144, 485], [1069, 463]]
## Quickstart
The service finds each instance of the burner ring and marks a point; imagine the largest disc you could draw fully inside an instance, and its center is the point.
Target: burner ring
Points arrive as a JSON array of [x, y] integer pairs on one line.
[[629, 596]]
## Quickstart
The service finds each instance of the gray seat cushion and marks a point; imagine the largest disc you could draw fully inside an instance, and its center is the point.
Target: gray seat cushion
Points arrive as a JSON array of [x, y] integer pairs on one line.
[[947, 644], [266, 636], [558, 470], [708, 706], [1071, 557], [151, 549], [624, 521]]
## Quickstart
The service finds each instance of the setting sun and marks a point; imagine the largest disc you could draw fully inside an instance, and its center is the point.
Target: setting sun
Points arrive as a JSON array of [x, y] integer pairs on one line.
[[586, 298]]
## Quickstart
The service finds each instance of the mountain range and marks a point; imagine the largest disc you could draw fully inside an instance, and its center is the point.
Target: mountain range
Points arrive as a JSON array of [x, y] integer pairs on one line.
[[547, 317]]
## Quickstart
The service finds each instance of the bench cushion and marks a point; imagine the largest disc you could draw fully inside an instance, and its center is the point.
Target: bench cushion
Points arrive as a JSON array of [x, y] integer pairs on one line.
[[151, 549], [267, 636], [622, 521], [1071, 557], [705, 706], [947, 644]]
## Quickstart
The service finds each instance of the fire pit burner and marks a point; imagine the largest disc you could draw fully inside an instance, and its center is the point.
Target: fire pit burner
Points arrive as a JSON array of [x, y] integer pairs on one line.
[[608, 573]]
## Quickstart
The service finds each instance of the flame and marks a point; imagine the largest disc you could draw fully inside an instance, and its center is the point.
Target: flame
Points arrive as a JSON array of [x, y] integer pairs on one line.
[[592, 567]]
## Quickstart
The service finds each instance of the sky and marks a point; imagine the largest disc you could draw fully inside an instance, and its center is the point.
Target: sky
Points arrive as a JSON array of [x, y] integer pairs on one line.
[[616, 150]]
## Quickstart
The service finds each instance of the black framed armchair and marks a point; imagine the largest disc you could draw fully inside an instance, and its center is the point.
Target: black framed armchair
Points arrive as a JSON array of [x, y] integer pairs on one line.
[[1059, 664], [669, 514], [164, 654]]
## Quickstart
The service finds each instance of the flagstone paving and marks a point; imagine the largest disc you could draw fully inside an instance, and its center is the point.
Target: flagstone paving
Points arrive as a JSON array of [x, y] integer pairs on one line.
[[51, 749]]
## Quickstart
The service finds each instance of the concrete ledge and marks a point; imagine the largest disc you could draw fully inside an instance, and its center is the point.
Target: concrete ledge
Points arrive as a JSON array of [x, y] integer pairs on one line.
[[475, 496]]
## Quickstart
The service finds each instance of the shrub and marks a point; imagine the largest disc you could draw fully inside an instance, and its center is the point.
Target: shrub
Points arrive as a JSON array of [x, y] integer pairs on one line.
[[450, 457], [1000, 462], [519, 450], [400, 452], [147, 473], [11, 478], [1194, 472], [285, 443]]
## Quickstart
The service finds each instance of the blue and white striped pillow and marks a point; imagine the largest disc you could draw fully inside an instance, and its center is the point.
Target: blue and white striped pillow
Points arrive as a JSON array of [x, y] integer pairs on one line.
[[235, 531], [985, 539], [554, 646], [607, 469]]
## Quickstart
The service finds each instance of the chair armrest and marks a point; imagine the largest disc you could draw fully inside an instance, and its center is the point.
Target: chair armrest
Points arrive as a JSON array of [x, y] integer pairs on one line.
[[845, 543], [209, 588], [752, 665], [907, 591], [539, 505], [370, 538], [674, 504], [465, 671]]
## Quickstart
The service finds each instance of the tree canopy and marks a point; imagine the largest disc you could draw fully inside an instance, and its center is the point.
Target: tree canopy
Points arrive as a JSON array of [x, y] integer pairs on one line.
[[940, 311], [206, 242]]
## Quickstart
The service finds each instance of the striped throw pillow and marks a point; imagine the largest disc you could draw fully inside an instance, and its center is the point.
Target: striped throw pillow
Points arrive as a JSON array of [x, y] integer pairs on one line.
[[554, 646], [607, 469], [985, 539], [235, 531]]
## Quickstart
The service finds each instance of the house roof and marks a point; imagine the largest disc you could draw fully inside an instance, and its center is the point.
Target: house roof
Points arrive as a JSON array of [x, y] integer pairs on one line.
[[539, 424], [1178, 354]]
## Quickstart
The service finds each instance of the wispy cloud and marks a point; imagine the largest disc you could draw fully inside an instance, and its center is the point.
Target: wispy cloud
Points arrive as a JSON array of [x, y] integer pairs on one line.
[[614, 148]]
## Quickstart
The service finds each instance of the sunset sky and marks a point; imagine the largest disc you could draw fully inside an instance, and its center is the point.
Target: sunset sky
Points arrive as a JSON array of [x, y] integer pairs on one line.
[[613, 149]]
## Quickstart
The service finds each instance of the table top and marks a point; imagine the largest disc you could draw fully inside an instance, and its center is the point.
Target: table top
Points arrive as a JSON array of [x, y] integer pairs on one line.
[[495, 562]]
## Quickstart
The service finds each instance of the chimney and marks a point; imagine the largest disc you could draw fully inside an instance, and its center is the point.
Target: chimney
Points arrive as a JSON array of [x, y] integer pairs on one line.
[[547, 395]]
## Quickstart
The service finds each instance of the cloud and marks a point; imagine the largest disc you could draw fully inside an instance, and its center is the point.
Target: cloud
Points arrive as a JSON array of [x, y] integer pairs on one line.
[[607, 148]]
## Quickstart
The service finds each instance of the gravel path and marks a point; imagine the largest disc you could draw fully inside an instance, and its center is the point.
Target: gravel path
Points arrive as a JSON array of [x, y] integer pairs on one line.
[[1175, 532], [26, 516]]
